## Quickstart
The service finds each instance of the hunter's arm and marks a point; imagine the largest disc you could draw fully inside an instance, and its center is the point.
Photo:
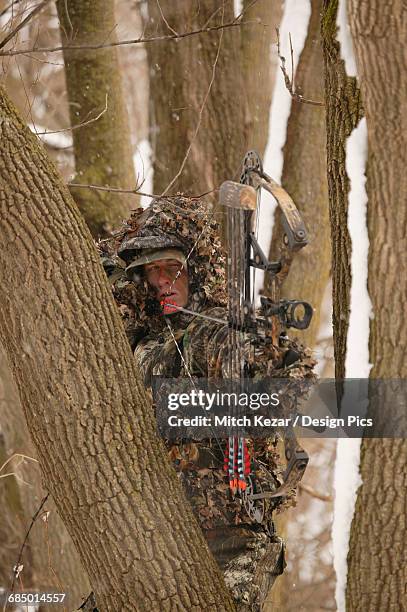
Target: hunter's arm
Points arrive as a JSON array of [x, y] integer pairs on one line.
[[157, 356], [201, 344]]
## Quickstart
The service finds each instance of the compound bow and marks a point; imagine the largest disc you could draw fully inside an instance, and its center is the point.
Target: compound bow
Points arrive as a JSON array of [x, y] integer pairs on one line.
[[268, 324]]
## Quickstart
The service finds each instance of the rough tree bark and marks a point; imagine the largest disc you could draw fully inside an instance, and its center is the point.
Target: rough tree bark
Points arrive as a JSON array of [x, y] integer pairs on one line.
[[377, 575], [304, 178], [49, 558], [343, 112], [183, 70], [86, 409], [103, 151]]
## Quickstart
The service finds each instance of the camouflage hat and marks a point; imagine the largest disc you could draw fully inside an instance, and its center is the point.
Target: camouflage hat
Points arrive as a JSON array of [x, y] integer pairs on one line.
[[132, 245]]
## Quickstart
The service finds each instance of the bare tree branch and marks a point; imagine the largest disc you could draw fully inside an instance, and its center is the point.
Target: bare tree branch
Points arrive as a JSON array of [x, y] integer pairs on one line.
[[135, 191], [17, 566], [113, 189], [42, 61], [247, 8], [22, 23], [322, 496], [6, 10], [290, 82], [21, 458], [164, 19], [232, 24], [75, 127]]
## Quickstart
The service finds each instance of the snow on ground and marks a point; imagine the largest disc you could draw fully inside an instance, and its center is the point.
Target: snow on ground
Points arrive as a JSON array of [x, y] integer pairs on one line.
[[347, 478], [295, 21]]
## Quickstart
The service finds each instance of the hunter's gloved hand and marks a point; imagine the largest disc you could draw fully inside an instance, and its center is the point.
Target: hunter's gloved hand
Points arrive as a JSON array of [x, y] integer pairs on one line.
[[229, 350], [202, 340], [212, 349]]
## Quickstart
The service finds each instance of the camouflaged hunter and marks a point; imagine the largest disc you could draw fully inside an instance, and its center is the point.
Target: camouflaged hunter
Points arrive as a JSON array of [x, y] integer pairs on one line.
[[195, 343]]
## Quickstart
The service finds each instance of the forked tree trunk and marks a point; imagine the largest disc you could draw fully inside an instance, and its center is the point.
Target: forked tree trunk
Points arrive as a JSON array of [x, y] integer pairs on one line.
[[377, 575], [86, 409], [102, 148], [343, 112]]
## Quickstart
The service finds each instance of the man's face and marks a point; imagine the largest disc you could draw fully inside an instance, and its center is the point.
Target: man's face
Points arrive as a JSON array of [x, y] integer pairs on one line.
[[169, 279]]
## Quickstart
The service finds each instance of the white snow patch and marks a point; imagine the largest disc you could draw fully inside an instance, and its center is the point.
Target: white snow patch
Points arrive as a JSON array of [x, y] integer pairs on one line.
[[346, 482], [143, 8], [347, 478], [144, 170], [237, 7], [59, 140], [345, 39], [295, 22], [357, 355]]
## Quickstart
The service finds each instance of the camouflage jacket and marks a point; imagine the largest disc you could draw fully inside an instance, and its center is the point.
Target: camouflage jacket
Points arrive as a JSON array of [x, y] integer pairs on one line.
[[198, 347]]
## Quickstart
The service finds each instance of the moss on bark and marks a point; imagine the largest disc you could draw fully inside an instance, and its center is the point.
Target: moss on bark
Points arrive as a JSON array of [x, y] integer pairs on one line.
[[102, 148], [343, 112]]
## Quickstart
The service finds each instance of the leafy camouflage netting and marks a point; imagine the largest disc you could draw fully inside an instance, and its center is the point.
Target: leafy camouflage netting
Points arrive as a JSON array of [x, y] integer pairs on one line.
[[179, 222], [241, 546], [189, 225]]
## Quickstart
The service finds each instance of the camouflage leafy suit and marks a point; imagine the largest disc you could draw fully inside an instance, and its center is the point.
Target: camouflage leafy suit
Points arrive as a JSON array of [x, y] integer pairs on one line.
[[187, 345]]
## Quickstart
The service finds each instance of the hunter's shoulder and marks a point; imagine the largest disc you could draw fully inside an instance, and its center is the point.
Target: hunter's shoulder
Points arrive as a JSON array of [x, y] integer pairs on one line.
[[153, 340]]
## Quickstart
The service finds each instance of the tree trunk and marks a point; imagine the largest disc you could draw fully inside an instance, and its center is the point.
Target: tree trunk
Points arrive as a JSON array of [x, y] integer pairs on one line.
[[103, 150], [377, 575], [260, 64], [86, 409], [49, 558], [343, 112], [304, 178], [183, 70], [12, 517], [57, 564]]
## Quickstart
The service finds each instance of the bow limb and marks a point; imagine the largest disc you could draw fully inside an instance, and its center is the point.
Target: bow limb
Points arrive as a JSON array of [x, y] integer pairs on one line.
[[295, 234]]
